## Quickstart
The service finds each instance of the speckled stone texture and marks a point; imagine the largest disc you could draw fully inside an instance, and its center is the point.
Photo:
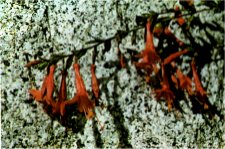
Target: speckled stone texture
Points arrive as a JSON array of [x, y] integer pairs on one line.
[[133, 117]]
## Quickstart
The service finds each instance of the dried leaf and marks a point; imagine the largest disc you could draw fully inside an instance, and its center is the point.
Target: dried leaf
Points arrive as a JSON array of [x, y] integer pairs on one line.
[[32, 63]]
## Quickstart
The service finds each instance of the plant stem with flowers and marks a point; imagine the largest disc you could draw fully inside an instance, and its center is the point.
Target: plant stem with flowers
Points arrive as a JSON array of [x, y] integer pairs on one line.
[[162, 61]]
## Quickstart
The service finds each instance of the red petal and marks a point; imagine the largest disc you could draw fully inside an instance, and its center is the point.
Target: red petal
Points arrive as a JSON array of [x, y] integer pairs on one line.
[[84, 104], [149, 37], [173, 56], [36, 94], [62, 91], [62, 108], [72, 101], [50, 85], [78, 81], [174, 79]]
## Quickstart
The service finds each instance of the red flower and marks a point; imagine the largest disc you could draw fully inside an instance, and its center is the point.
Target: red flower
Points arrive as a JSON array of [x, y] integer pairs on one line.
[[173, 56], [184, 81], [39, 95], [81, 98], [94, 81], [148, 56], [50, 85], [175, 81], [165, 90], [59, 105], [36, 94], [47, 89], [62, 91]]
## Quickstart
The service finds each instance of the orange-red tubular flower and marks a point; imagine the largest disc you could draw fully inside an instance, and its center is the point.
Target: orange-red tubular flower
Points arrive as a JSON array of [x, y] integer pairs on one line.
[[36, 94], [40, 95], [50, 85], [148, 55], [165, 90], [184, 81], [47, 89], [59, 106], [62, 91], [94, 81], [175, 81], [173, 56], [81, 98]]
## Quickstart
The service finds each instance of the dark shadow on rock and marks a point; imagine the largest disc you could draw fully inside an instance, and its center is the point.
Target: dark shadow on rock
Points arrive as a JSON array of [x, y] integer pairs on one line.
[[73, 120], [198, 108], [118, 119], [97, 135]]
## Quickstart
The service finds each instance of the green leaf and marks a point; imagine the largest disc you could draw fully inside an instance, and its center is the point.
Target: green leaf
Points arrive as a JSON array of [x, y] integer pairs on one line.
[[43, 65]]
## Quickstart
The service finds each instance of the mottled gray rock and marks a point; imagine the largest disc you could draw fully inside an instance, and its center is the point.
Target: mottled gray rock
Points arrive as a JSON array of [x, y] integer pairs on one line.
[[134, 118]]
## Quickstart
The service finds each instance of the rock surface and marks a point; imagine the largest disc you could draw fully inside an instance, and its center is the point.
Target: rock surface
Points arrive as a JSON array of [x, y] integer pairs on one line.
[[133, 117]]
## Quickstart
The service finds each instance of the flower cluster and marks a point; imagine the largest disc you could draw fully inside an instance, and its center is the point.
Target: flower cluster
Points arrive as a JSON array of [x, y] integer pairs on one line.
[[160, 61], [171, 80], [58, 104]]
